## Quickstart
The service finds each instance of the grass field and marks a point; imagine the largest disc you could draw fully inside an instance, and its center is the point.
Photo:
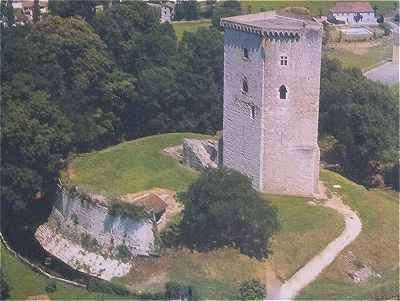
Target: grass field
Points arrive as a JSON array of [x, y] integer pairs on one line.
[[362, 55], [132, 167], [316, 7], [377, 246], [24, 282], [190, 26], [305, 230]]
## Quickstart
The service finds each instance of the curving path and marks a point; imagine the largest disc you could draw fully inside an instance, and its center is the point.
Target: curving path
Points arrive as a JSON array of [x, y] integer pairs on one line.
[[314, 267]]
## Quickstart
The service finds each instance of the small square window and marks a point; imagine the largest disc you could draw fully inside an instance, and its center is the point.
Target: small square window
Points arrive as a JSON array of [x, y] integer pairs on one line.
[[246, 53], [284, 60]]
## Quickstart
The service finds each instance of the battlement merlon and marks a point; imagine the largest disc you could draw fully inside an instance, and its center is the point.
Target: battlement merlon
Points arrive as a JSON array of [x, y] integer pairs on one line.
[[272, 26]]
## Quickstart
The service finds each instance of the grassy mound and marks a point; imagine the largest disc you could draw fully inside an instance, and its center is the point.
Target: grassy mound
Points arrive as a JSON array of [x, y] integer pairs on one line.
[[377, 246], [132, 167]]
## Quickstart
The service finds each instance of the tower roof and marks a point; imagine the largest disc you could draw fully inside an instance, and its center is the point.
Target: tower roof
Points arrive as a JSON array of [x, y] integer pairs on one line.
[[271, 21]]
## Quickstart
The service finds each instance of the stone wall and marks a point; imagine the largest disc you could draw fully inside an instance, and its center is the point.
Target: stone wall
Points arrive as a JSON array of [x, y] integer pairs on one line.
[[83, 234]]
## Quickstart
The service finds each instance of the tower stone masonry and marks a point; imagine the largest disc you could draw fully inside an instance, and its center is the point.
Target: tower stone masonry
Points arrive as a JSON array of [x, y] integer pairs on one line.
[[272, 67]]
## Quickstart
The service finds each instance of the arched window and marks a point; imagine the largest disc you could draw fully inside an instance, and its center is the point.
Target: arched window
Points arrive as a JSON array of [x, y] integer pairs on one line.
[[245, 86], [282, 92]]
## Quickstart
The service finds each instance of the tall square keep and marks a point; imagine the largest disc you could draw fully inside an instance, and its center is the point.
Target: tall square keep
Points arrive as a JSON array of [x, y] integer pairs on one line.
[[272, 65]]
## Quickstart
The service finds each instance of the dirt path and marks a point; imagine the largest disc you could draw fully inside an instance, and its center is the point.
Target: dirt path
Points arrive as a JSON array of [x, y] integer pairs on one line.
[[315, 266]]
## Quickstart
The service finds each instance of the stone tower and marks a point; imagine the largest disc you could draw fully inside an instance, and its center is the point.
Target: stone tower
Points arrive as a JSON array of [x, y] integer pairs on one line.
[[272, 65]]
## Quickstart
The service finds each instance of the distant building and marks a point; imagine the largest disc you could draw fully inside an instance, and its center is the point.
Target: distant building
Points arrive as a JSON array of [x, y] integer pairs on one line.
[[353, 13], [167, 11], [24, 10]]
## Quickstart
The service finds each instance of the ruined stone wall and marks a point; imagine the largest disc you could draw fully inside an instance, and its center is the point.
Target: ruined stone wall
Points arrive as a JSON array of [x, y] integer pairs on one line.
[[241, 132], [86, 236], [291, 153]]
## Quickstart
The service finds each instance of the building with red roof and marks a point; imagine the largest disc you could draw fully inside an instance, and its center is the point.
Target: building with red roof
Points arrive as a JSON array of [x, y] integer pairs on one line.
[[353, 13]]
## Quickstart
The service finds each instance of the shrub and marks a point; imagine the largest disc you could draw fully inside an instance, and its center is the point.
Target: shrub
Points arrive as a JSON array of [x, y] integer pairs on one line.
[[123, 252], [176, 291], [172, 236], [252, 290], [51, 287], [89, 243], [102, 286], [223, 209], [387, 29], [118, 207], [4, 287]]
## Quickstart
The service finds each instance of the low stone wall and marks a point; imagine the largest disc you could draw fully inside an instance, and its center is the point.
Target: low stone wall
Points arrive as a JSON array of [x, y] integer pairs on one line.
[[84, 234]]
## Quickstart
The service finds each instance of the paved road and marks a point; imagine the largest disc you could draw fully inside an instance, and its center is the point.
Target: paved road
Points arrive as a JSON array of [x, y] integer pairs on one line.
[[315, 266], [387, 73]]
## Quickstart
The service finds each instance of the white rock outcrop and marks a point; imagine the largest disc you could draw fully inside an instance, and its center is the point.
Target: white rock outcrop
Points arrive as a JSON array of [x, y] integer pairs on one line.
[[200, 154]]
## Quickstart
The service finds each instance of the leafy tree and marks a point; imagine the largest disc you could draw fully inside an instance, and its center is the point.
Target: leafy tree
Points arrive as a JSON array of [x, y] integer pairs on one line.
[[66, 8], [361, 114], [252, 290], [200, 80], [223, 209], [36, 11], [10, 18], [228, 8], [4, 287]]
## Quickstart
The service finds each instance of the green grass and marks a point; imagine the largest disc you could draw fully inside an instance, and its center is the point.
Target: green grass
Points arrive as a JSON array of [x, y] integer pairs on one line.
[[305, 230], [316, 7], [132, 167], [189, 26], [365, 61], [24, 282], [377, 246]]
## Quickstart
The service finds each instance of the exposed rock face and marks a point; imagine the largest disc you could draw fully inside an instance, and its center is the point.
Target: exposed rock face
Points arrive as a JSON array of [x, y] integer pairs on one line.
[[200, 154], [87, 236]]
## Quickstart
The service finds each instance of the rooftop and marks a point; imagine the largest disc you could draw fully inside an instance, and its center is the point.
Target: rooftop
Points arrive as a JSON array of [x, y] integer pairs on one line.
[[352, 7], [150, 202], [286, 19]]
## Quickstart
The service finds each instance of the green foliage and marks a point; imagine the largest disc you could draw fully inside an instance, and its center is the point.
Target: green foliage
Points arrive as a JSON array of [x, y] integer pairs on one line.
[[89, 243], [51, 287], [124, 209], [177, 291], [123, 252], [227, 8], [102, 286], [186, 10], [4, 286], [392, 176], [387, 28], [252, 290], [363, 119], [84, 8], [223, 209], [172, 235]]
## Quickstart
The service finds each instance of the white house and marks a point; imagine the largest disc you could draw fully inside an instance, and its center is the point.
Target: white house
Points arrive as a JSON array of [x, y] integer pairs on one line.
[[167, 11], [354, 13]]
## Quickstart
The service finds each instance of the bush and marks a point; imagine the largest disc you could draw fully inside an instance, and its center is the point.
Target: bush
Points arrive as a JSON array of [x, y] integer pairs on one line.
[[123, 252], [102, 286], [392, 176], [172, 235], [223, 209], [4, 287], [252, 290], [387, 29], [51, 287], [89, 243], [176, 291]]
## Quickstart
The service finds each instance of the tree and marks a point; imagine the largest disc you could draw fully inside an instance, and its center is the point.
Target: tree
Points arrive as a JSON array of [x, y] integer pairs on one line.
[[252, 290], [4, 287], [10, 13], [361, 114], [66, 8], [223, 209], [226, 9], [36, 11]]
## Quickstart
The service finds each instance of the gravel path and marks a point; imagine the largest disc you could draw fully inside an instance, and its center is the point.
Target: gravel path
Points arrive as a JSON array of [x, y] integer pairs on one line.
[[314, 267]]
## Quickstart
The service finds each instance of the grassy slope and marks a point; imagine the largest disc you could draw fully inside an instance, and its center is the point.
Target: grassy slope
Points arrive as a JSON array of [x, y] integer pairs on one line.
[[132, 167], [377, 245], [24, 282], [366, 61], [316, 7], [190, 26], [217, 275]]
